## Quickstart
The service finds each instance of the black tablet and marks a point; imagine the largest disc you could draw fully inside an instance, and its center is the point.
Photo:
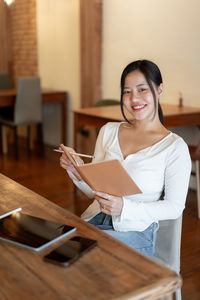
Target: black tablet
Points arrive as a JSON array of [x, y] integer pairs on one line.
[[31, 232]]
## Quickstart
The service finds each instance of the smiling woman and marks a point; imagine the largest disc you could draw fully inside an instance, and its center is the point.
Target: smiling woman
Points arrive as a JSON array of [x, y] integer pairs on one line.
[[145, 82], [156, 159]]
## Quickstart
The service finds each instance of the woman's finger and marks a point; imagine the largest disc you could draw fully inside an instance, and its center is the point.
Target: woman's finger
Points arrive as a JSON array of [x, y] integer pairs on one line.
[[77, 159], [103, 195], [104, 203]]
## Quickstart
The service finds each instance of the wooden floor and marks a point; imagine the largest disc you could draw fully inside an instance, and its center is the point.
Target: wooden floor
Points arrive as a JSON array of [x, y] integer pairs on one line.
[[44, 176]]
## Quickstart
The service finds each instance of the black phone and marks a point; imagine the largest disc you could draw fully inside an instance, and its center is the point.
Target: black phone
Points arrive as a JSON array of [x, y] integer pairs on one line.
[[70, 251]]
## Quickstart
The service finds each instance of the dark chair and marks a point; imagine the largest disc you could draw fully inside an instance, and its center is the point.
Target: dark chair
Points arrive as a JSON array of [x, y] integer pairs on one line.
[[5, 84], [27, 110], [195, 156], [5, 81], [105, 102]]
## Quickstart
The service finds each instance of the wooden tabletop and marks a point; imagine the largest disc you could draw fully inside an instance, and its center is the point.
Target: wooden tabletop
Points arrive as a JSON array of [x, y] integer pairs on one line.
[[174, 116], [8, 96], [13, 91], [111, 270], [171, 112]]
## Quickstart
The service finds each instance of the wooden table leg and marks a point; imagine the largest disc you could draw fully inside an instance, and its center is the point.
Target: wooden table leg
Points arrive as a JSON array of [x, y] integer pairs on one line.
[[75, 131], [64, 113], [4, 140]]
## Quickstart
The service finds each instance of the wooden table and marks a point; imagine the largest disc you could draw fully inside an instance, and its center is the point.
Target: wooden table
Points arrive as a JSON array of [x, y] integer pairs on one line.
[[111, 270], [7, 98], [174, 116]]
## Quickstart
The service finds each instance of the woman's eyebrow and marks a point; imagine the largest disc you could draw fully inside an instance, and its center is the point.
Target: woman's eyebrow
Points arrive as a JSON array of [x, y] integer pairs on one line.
[[141, 84]]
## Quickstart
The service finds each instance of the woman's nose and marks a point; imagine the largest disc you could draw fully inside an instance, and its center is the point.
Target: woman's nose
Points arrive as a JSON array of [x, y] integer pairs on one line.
[[134, 96]]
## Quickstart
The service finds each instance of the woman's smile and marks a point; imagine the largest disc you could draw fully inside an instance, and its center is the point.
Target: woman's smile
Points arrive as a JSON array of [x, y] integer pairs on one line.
[[137, 108]]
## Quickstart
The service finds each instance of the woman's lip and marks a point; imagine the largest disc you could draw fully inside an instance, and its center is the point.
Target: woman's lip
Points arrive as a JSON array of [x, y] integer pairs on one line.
[[138, 107]]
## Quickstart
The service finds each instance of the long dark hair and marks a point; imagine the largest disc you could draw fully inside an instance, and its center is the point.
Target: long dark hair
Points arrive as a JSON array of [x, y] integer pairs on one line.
[[151, 73]]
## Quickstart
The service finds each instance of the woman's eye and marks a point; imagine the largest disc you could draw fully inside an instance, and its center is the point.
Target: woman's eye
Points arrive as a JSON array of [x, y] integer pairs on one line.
[[142, 90], [126, 92]]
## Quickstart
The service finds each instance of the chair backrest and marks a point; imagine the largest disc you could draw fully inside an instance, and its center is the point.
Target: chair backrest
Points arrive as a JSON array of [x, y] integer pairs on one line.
[[5, 81], [28, 107], [105, 102], [168, 243]]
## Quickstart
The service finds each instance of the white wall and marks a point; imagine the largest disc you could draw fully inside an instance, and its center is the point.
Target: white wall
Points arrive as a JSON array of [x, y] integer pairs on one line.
[[165, 31], [59, 61]]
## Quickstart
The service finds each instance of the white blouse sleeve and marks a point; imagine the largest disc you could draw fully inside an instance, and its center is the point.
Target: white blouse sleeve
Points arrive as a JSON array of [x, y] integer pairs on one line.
[[177, 175], [98, 156]]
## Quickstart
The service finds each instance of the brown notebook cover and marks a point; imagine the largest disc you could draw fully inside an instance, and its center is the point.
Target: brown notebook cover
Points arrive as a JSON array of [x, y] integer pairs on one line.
[[107, 176]]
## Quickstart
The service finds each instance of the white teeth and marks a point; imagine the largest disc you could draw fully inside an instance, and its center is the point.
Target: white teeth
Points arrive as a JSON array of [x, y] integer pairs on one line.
[[138, 107]]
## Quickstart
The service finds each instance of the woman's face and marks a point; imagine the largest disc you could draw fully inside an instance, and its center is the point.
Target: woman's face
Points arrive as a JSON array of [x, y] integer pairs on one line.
[[137, 96]]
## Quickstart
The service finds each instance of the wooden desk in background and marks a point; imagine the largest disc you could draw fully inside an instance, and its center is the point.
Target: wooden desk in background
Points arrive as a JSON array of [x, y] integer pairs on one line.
[[7, 98], [174, 116], [111, 270]]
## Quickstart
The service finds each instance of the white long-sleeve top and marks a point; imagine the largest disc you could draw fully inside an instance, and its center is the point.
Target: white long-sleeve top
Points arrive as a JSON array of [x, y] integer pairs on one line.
[[164, 166]]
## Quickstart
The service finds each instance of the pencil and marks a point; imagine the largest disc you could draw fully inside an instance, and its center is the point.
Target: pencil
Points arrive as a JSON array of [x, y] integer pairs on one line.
[[10, 212], [74, 153]]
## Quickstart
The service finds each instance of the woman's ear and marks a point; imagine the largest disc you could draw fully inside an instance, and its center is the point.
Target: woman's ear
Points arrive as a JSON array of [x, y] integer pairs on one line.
[[160, 89]]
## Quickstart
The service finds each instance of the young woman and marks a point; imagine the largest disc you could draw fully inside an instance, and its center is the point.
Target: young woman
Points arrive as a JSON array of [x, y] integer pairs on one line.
[[157, 160]]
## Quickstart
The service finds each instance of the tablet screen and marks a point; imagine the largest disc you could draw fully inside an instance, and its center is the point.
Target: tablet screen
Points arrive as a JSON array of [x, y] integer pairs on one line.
[[32, 232]]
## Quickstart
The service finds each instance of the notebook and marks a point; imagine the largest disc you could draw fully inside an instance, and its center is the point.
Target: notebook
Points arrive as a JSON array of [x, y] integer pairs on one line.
[[31, 232], [106, 176]]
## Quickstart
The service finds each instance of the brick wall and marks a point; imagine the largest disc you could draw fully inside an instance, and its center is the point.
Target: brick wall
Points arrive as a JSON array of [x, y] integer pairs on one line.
[[23, 38], [3, 38]]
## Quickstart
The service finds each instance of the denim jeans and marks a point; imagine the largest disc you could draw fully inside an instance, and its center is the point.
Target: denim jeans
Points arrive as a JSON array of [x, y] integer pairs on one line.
[[143, 241]]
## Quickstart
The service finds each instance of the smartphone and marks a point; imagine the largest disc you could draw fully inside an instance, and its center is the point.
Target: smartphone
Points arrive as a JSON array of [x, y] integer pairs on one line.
[[70, 251]]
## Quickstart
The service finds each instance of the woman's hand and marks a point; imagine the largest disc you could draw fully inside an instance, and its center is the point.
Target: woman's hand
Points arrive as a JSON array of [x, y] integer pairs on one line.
[[66, 164], [110, 205]]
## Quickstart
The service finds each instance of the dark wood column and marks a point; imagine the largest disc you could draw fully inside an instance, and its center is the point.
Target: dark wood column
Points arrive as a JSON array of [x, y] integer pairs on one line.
[[91, 44]]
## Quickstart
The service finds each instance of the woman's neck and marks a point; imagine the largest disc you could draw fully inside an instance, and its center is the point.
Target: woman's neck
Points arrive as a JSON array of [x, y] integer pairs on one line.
[[146, 125]]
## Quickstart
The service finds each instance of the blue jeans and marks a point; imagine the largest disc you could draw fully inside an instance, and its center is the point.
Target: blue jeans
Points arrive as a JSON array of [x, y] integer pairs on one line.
[[143, 241]]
